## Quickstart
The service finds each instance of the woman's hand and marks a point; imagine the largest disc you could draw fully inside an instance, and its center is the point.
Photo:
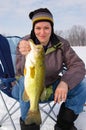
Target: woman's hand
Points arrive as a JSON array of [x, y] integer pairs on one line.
[[61, 92], [24, 47]]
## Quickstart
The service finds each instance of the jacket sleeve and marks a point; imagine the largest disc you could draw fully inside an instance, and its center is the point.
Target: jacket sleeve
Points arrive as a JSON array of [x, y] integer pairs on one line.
[[75, 66], [20, 61]]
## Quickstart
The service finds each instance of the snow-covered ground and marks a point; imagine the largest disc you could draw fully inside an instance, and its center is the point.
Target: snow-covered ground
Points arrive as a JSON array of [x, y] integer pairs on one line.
[[49, 125], [81, 51]]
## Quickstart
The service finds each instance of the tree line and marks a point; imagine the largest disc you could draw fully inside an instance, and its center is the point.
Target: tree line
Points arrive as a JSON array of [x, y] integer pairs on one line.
[[76, 35]]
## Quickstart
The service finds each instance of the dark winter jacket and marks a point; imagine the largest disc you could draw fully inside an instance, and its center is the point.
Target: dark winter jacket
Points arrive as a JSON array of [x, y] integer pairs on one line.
[[54, 64]]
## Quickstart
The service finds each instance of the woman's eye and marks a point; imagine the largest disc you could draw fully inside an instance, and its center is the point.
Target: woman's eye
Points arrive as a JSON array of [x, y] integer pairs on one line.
[[38, 28]]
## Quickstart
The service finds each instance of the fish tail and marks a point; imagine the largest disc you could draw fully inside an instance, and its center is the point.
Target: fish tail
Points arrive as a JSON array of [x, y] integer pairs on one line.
[[33, 117]]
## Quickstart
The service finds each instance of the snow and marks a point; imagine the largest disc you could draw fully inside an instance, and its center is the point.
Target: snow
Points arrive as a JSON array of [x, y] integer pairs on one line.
[[81, 52], [80, 123]]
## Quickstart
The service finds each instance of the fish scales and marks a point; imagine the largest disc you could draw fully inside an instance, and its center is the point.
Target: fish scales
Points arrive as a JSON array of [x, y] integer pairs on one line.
[[34, 73]]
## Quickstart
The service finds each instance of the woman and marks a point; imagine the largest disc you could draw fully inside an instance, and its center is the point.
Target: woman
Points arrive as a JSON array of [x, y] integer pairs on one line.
[[70, 89]]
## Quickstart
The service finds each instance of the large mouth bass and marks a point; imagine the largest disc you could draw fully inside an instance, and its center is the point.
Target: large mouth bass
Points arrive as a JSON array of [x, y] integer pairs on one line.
[[34, 73]]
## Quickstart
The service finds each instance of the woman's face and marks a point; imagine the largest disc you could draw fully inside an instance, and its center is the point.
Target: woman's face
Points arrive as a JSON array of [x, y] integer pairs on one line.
[[43, 31]]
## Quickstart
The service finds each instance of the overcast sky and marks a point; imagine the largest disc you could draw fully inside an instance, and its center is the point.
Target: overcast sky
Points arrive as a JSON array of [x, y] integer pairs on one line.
[[14, 14]]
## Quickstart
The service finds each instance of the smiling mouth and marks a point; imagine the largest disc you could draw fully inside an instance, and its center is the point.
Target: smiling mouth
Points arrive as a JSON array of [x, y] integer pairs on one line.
[[42, 36]]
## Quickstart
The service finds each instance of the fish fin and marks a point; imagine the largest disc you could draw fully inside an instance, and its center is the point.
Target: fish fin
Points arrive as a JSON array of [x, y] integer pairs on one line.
[[25, 96], [43, 95], [24, 71], [32, 72], [33, 117], [46, 94]]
